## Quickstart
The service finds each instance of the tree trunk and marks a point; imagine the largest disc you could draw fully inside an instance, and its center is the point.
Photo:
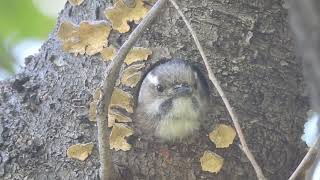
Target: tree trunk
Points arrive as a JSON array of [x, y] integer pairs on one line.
[[44, 108]]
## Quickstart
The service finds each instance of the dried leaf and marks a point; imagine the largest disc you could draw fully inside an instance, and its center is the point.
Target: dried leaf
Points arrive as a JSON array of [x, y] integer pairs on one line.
[[132, 75], [89, 37], [108, 53], [120, 14], [94, 35], [131, 80], [117, 137], [76, 2], [222, 136], [211, 162], [67, 31], [137, 54], [80, 151], [115, 116], [122, 99]]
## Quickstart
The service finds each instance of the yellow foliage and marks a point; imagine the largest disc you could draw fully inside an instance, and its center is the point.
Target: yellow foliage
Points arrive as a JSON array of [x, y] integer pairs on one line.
[[211, 162], [137, 54], [80, 151], [132, 75], [115, 116], [222, 136], [108, 53], [117, 137], [122, 99], [120, 14], [90, 37]]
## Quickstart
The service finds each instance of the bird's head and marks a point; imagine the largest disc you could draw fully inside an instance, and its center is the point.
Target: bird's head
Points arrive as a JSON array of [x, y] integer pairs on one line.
[[171, 99]]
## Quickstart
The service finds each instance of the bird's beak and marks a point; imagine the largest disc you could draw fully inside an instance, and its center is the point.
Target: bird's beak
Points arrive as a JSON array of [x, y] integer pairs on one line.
[[182, 90]]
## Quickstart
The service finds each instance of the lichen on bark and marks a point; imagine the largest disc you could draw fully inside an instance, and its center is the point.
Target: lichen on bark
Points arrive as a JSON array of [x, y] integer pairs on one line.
[[44, 108]]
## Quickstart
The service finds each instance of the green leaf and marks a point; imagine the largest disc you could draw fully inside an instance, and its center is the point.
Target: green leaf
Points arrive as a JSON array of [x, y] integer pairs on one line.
[[21, 19]]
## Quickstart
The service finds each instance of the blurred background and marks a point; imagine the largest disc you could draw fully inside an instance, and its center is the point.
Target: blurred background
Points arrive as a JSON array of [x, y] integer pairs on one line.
[[24, 26]]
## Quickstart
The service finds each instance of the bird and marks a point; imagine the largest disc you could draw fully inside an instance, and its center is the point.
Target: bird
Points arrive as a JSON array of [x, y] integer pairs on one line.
[[172, 100]]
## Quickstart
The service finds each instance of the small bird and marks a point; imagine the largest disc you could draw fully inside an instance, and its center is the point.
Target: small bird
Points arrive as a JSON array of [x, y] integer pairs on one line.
[[172, 100]]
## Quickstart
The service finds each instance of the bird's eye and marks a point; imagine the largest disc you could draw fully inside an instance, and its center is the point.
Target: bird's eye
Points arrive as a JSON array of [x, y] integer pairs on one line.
[[160, 88]]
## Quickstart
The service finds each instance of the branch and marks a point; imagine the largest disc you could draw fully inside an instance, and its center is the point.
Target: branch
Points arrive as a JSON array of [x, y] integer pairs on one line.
[[112, 74], [307, 160], [215, 82]]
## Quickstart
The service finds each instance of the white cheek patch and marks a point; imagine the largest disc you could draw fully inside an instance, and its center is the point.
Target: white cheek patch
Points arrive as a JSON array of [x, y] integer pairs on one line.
[[153, 108], [153, 79]]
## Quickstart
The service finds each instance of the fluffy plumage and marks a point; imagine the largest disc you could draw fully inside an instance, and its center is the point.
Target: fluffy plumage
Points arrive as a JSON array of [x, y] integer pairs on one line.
[[172, 100]]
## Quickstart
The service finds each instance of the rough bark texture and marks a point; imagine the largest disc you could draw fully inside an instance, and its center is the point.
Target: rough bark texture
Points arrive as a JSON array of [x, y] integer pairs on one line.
[[44, 109]]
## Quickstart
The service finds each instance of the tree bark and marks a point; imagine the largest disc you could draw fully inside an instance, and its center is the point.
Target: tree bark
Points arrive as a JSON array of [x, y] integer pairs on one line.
[[44, 108]]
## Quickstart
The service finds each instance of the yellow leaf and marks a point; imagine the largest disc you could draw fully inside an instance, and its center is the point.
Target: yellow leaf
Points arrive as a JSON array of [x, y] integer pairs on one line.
[[67, 31], [222, 136], [76, 2], [137, 54], [115, 116], [132, 75], [122, 99], [108, 53], [94, 35], [89, 37], [211, 162], [117, 137], [80, 151], [120, 14]]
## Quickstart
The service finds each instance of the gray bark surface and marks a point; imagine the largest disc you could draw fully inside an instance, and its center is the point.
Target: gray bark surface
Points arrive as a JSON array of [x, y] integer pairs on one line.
[[44, 108]]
